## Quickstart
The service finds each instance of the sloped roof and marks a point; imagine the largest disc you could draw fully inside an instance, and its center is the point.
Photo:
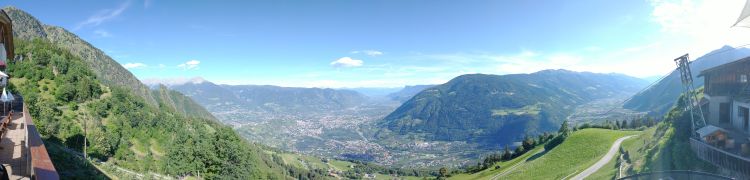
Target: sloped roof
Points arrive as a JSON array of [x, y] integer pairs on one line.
[[719, 67]]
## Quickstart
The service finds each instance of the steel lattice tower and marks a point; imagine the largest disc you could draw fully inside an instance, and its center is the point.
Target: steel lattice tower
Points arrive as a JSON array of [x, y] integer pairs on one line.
[[691, 98]]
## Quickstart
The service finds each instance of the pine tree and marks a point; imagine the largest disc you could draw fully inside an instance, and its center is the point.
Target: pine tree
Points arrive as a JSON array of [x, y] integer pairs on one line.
[[564, 130], [519, 150], [443, 172], [507, 155]]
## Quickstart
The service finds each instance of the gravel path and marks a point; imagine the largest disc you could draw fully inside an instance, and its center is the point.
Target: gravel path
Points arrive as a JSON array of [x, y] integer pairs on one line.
[[603, 161]]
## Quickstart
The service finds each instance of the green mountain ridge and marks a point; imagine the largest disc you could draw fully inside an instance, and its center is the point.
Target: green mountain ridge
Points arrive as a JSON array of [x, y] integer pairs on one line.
[[498, 109]]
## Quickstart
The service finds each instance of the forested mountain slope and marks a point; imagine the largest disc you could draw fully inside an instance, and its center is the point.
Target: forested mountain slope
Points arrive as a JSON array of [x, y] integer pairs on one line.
[[67, 96], [496, 109]]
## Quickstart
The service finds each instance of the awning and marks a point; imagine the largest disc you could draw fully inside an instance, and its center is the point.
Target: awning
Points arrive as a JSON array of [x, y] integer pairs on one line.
[[744, 19], [708, 130], [4, 97]]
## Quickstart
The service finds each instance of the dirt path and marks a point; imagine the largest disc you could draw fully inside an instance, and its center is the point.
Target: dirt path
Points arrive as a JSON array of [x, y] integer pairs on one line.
[[603, 161]]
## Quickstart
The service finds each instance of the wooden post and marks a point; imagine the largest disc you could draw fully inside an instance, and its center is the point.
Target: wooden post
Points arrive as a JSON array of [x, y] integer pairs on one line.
[[85, 134]]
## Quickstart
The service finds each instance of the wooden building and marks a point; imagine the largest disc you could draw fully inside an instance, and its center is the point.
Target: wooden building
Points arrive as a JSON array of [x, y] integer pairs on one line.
[[727, 95], [6, 38]]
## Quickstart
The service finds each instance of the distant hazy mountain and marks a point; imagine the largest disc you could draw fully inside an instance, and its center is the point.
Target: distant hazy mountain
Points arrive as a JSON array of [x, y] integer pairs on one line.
[[498, 109], [280, 98], [375, 91], [407, 92], [270, 98], [659, 98]]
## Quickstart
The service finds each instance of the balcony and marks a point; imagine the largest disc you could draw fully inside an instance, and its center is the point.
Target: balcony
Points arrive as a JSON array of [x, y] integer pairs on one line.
[[726, 158], [22, 151]]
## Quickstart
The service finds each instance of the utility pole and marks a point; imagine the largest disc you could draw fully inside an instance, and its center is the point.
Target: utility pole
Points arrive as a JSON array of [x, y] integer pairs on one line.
[[683, 64]]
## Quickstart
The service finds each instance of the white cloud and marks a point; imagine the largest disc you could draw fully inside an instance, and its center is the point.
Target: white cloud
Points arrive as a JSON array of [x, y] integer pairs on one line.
[[347, 62], [686, 26], [699, 26], [134, 65], [192, 64], [102, 33], [102, 16], [369, 52]]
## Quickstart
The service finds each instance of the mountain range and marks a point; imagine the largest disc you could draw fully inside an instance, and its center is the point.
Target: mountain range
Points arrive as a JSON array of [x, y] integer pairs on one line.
[[267, 98], [499, 109]]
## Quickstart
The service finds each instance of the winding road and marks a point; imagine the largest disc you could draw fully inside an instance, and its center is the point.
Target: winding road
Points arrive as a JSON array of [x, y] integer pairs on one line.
[[603, 161]]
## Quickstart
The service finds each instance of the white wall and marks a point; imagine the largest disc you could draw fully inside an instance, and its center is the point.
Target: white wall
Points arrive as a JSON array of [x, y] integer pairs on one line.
[[736, 120]]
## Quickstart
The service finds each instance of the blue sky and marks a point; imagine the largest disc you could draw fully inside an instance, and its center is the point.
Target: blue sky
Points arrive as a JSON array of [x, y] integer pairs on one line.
[[390, 43]]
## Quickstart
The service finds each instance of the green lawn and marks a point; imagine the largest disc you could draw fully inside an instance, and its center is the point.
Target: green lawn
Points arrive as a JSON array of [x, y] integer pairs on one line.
[[488, 173], [292, 159], [340, 165], [582, 149]]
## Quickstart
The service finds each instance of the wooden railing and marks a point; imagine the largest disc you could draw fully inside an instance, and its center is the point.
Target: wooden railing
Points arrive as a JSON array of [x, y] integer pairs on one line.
[[4, 125], [719, 157], [41, 166]]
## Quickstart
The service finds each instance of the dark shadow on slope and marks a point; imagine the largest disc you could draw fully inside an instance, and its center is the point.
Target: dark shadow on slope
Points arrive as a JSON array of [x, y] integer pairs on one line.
[[72, 166], [536, 156]]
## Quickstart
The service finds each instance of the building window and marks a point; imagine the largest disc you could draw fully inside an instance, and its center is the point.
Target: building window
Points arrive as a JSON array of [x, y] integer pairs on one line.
[[743, 78]]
